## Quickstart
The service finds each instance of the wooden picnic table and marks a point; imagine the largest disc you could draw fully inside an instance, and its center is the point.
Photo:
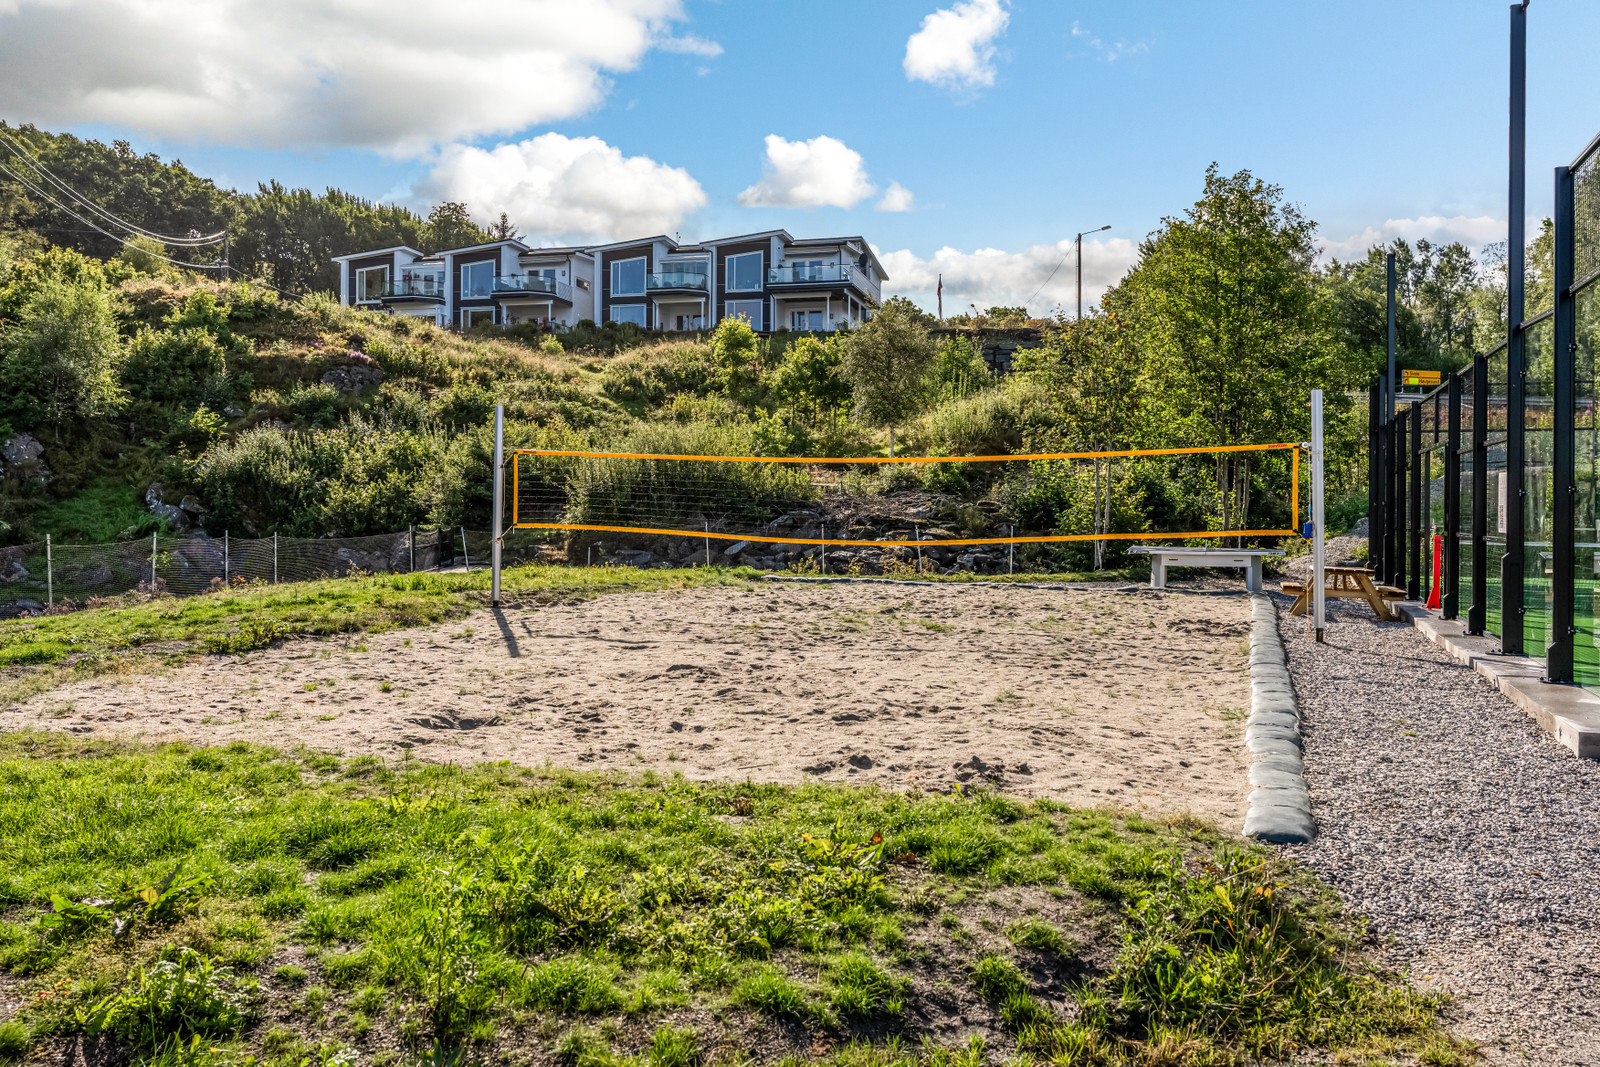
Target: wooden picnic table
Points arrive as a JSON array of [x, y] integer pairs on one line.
[[1347, 583]]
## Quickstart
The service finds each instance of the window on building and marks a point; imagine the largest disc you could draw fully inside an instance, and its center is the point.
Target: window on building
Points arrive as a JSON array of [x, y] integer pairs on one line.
[[627, 277], [477, 279], [633, 313], [371, 282], [471, 317], [808, 270], [744, 273], [805, 320], [746, 309]]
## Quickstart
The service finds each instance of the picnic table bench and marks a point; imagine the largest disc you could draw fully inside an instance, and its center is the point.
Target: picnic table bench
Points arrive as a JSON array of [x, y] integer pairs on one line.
[[1163, 556], [1347, 583]]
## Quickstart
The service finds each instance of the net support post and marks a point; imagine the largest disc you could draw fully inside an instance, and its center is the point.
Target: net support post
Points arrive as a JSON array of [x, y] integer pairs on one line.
[[411, 543], [1512, 562], [153, 563], [49, 574], [1318, 543], [1558, 652], [1450, 596], [274, 557], [498, 512], [225, 560]]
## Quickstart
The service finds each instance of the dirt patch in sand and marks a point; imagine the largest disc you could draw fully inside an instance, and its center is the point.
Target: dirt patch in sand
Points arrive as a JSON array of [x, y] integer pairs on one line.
[[1134, 699]]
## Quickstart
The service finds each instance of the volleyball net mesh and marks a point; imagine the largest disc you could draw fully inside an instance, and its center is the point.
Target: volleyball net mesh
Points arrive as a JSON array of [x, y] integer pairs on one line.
[[1172, 494]]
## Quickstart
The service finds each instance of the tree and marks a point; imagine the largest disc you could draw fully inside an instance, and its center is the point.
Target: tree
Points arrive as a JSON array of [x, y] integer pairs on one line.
[[450, 225], [503, 229], [886, 362], [1093, 369], [1226, 305], [59, 358], [143, 255]]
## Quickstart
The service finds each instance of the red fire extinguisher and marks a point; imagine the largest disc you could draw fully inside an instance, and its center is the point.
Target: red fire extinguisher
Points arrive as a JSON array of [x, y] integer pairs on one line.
[[1438, 572]]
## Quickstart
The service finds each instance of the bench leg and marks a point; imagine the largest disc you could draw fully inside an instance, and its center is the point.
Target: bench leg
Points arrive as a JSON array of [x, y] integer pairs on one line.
[[1299, 605], [1158, 572], [1252, 579]]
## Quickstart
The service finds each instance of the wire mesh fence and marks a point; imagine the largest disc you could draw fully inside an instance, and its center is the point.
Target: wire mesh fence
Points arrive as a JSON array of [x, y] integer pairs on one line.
[[37, 576]]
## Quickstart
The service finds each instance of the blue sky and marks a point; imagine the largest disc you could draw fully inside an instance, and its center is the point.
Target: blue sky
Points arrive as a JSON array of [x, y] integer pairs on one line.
[[1005, 126]]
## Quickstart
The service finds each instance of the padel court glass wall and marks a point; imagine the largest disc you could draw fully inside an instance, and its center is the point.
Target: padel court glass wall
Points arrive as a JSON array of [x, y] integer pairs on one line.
[[1504, 493]]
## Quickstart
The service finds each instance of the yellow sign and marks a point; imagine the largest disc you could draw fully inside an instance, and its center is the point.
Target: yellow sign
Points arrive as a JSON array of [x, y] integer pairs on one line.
[[1420, 377]]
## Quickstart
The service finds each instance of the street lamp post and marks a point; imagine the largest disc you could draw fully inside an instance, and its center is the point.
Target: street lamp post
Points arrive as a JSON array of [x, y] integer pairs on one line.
[[1079, 240]]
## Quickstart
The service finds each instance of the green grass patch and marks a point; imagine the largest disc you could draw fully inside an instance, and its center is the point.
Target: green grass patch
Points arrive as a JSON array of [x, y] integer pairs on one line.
[[246, 619], [153, 894]]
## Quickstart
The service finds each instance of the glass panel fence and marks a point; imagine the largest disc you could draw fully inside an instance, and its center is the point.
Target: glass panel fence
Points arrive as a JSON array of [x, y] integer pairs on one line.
[[1538, 483], [1586, 562], [1495, 494]]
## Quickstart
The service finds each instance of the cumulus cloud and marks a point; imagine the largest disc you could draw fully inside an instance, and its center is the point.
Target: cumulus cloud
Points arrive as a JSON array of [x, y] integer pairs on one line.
[[821, 172], [565, 189], [896, 198], [1474, 231], [992, 277], [955, 46], [309, 73]]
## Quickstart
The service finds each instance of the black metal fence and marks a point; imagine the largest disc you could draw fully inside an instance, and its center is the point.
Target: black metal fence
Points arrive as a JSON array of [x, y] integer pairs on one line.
[[1501, 463]]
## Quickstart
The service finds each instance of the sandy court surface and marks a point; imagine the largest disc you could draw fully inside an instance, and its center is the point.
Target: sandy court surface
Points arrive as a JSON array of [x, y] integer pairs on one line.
[[1135, 699]]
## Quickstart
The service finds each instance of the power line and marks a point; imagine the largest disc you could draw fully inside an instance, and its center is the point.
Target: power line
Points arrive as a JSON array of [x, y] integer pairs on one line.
[[87, 222], [19, 150]]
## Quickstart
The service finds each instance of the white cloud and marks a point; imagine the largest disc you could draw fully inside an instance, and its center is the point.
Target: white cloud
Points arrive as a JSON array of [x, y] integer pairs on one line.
[[690, 45], [955, 46], [991, 277], [386, 75], [1109, 52], [562, 189], [1474, 231], [821, 172], [896, 198]]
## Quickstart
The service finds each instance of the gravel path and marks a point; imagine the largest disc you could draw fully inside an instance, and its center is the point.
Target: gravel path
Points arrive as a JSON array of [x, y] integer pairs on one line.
[[1468, 837]]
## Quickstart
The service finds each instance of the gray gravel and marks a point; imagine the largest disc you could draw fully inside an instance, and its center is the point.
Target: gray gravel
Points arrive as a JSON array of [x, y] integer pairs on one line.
[[1464, 833]]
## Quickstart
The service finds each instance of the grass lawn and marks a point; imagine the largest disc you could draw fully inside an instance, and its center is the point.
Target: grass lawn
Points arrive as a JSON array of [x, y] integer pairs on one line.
[[243, 905]]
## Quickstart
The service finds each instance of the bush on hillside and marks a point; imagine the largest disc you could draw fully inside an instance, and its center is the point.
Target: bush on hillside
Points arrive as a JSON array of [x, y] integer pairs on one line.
[[178, 367]]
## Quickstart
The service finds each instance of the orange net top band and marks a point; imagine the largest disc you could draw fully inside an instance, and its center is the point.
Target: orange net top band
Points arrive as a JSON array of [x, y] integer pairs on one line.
[[1122, 454]]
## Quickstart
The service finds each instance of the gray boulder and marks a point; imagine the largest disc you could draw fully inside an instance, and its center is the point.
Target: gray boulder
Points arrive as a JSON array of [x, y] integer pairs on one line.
[[353, 377], [192, 505]]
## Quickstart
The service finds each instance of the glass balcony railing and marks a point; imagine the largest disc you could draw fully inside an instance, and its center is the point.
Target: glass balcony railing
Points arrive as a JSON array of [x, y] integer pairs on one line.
[[677, 280], [805, 274], [416, 287], [532, 283]]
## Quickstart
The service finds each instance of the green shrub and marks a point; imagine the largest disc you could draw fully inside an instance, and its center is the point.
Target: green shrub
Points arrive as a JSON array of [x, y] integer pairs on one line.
[[318, 406], [468, 404], [612, 492], [633, 378], [13, 1039], [173, 367]]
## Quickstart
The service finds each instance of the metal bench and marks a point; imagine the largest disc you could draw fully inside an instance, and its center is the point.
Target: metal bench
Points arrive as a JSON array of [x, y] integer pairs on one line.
[[1162, 557]]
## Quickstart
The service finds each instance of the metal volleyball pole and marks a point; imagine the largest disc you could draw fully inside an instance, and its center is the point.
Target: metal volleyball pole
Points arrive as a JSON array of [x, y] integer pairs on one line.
[[499, 501], [1318, 561]]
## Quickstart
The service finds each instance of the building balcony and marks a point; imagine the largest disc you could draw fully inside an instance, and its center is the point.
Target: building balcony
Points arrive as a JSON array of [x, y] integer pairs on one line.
[[818, 274], [426, 288], [536, 286], [685, 281]]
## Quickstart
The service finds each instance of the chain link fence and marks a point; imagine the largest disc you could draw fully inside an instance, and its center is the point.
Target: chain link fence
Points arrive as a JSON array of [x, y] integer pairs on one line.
[[34, 577]]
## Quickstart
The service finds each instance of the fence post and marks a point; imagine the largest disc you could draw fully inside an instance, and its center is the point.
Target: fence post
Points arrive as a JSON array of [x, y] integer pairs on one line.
[[224, 559], [49, 574], [1559, 629], [1011, 553], [274, 557], [708, 544], [499, 502], [153, 563], [823, 555], [464, 553], [411, 540]]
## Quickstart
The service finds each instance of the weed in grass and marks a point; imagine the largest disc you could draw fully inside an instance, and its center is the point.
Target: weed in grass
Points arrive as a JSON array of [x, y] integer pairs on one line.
[[13, 1039], [384, 687], [180, 995], [369, 1000], [861, 989], [1040, 936], [769, 992], [673, 1047], [572, 984], [290, 974]]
